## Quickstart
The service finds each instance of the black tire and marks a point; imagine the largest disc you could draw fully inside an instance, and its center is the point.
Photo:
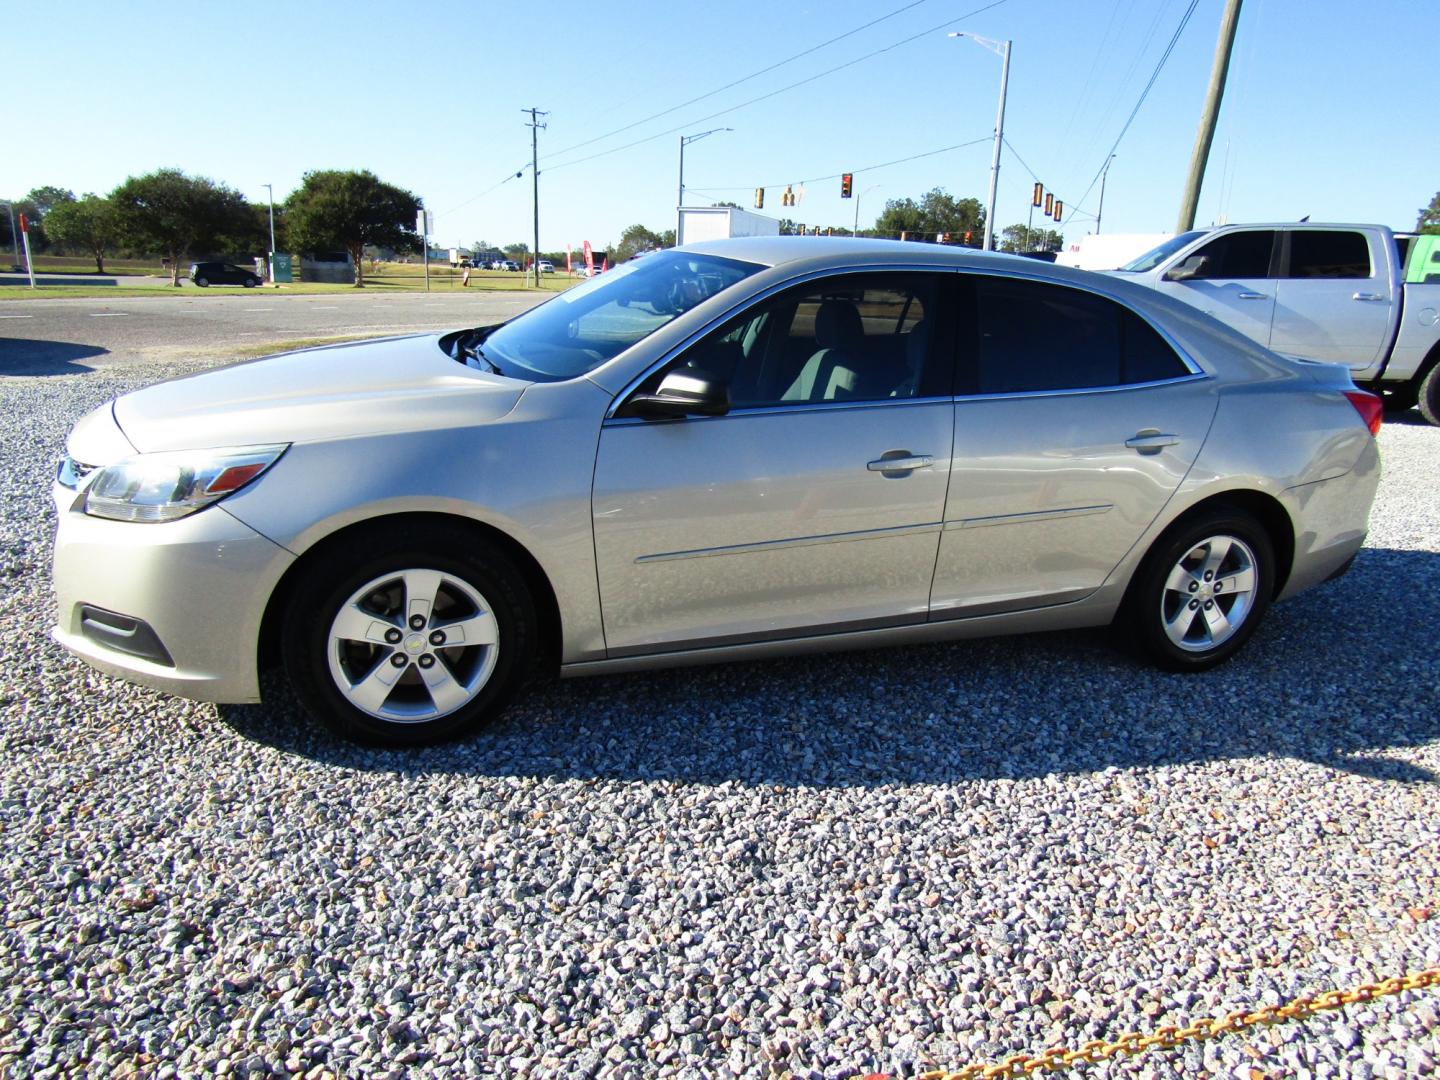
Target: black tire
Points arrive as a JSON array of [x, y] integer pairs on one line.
[[1430, 396], [251, 282], [1153, 604], [203, 282], [462, 563]]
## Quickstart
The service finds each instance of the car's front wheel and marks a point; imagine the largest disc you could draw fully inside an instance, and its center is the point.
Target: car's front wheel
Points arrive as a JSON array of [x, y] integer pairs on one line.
[[203, 282], [1429, 396], [1202, 591], [251, 282], [421, 639]]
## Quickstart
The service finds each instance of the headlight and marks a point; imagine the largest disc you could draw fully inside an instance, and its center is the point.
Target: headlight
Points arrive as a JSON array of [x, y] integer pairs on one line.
[[163, 487]]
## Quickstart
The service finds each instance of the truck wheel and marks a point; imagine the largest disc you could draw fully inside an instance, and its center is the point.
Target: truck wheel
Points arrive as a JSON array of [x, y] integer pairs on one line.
[[1430, 396]]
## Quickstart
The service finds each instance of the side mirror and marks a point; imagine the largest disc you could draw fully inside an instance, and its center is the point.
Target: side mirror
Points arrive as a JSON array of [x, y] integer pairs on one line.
[[680, 394], [1193, 267]]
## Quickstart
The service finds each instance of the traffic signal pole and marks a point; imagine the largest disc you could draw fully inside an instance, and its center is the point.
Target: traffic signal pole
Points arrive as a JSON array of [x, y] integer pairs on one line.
[[1190, 200]]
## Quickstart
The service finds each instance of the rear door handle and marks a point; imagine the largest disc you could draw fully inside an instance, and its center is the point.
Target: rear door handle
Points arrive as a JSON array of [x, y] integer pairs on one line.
[[1252, 296], [905, 463], [1367, 296], [1151, 442]]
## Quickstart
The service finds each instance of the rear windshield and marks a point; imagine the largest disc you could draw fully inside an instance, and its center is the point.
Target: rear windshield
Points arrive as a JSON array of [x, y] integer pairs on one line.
[[585, 326], [1156, 255]]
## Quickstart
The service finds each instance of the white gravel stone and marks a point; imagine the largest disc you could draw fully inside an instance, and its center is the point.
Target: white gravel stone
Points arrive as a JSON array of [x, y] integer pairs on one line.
[[818, 866]]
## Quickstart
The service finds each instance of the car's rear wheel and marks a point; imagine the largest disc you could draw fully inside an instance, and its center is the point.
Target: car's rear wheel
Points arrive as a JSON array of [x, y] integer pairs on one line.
[[411, 643], [1430, 396], [1202, 591]]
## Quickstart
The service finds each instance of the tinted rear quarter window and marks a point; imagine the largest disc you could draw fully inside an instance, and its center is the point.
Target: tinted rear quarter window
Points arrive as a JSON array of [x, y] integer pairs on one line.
[[1033, 337], [1315, 253]]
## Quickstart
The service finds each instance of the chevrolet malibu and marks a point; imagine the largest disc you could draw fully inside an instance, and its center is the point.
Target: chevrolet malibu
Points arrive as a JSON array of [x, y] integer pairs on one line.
[[728, 450]]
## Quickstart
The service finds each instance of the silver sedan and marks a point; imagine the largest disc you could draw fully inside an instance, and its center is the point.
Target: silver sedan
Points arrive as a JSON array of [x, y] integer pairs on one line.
[[728, 450]]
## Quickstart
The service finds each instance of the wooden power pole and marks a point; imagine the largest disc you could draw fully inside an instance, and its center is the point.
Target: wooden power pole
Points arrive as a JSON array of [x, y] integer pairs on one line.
[[535, 125], [1191, 199]]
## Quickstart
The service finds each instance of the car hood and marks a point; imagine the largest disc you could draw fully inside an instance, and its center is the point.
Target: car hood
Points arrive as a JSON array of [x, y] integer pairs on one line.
[[333, 392]]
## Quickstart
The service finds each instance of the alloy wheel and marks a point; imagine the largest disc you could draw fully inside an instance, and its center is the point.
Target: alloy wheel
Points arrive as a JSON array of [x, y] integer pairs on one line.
[[1209, 594]]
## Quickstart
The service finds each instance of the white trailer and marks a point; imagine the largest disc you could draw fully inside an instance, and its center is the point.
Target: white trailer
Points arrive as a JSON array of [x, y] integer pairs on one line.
[[718, 222], [1109, 251]]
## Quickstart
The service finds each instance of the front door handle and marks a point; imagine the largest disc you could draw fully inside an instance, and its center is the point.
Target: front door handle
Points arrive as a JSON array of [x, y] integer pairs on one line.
[[1252, 296], [902, 462], [1151, 442], [1367, 296]]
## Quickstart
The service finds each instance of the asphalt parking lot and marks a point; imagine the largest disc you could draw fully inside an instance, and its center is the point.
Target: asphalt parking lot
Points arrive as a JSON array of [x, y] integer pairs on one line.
[[815, 867], [68, 336]]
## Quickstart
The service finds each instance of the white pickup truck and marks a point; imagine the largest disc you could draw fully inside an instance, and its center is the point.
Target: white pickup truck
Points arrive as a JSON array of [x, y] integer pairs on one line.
[[1336, 293]]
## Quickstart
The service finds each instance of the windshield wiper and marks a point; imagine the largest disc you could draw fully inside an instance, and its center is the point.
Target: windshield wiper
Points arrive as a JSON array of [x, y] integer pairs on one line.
[[475, 357]]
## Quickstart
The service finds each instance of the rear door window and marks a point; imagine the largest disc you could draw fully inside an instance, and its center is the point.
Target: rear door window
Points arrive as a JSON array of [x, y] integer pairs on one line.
[[1033, 337], [1319, 253]]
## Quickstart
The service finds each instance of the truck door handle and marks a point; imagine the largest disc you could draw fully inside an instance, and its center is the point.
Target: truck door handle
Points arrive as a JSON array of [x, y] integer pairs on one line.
[[1148, 442], [1252, 296], [902, 463], [1367, 296]]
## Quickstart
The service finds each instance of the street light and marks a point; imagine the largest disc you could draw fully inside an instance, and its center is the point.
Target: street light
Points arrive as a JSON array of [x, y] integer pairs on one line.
[[680, 200], [270, 262], [1002, 50], [856, 230]]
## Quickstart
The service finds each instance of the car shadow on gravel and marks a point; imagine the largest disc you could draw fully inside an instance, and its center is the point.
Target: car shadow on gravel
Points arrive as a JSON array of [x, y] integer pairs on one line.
[[26, 356], [1343, 676]]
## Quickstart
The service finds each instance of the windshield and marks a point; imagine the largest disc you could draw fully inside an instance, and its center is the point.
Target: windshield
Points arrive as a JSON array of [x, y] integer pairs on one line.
[[585, 326], [1156, 255]]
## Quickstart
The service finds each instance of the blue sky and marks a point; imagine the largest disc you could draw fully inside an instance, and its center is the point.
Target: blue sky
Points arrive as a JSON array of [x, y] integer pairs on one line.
[[1322, 115]]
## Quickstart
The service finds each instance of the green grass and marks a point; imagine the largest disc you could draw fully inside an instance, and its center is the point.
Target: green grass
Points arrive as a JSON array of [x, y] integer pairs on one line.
[[391, 277]]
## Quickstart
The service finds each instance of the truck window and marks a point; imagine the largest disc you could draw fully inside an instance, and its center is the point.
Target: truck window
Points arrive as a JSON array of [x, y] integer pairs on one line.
[[1238, 255], [1317, 253]]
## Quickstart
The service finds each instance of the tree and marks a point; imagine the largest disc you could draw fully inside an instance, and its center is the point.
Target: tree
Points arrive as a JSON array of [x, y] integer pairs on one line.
[[174, 214], [1429, 221], [635, 239], [47, 198], [936, 212], [731, 205], [87, 223], [350, 209], [1023, 238]]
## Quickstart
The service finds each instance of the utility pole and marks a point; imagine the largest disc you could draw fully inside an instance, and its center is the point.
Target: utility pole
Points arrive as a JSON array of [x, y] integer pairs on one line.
[[1100, 213], [1001, 49], [1190, 201], [686, 140], [270, 263], [535, 125]]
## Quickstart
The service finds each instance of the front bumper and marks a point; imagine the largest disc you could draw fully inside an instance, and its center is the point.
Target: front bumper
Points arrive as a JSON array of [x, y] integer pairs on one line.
[[199, 584]]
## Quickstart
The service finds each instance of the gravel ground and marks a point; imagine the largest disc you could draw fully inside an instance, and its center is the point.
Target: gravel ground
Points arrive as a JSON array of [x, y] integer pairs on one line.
[[815, 867]]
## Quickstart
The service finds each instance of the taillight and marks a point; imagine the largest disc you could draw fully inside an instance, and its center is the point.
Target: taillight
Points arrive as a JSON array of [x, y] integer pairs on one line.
[[1369, 407]]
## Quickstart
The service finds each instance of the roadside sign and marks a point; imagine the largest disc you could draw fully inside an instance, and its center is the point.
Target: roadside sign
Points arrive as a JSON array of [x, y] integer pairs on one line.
[[281, 267], [24, 224]]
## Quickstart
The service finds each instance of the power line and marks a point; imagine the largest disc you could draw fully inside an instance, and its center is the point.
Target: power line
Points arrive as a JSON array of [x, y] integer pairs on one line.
[[782, 90], [508, 177], [1174, 38], [857, 172], [745, 79]]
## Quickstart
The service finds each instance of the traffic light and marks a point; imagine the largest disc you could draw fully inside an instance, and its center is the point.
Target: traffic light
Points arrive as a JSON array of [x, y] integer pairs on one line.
[[787, 198], [1049, 205], [1059, 209], [759, 198], [943, 237], [968, 234], [1039, 196], [847, 185]]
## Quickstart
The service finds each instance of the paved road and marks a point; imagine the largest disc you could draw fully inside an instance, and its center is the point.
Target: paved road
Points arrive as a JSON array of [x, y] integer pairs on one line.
[[56, 337]]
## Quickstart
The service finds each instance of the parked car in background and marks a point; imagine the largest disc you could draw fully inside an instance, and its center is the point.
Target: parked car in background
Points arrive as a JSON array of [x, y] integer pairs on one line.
[[546, 266], [729, 450], [1337, 293], [217, 273]]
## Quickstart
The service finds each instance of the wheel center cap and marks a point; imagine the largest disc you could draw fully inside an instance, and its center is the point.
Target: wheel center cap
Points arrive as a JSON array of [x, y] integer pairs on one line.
[[415, 644]]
